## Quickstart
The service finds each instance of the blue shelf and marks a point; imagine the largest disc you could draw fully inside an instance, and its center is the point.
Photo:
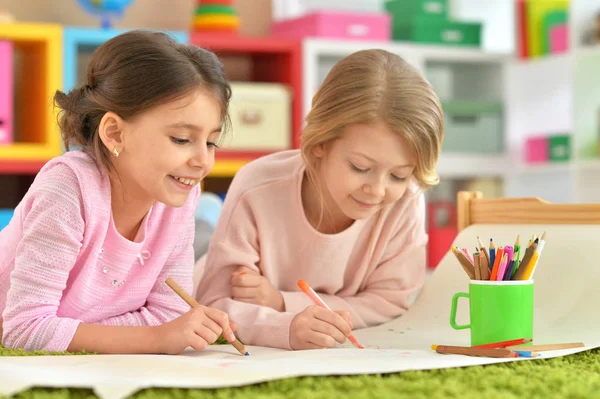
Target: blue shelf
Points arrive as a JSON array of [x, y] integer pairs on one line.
[[92, 37]]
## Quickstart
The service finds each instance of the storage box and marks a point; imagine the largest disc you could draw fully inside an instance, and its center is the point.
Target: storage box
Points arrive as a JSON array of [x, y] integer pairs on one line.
[[559, 148], [536, 149], [559, 41], [445, 32], [408, 12], [260, 117], [473, 127], [6, 92], [336, 25], [288, 9]]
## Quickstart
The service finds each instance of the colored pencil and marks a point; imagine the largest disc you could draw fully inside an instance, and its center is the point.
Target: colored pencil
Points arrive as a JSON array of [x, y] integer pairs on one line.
[[464, 262], [504, 344], [492, 254], [468, 254], [527, 354], [510, 268], [484, 250], [497, 260], [502, 267], [485, 270], [477, 265], [547, 347], [526, 258], [303, 285], [531, 268], [192, 302], [518, 251], [469, 351]]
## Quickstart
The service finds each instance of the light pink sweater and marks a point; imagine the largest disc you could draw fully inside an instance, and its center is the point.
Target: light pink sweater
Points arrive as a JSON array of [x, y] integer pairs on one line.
[[62, 262], [370, 269]]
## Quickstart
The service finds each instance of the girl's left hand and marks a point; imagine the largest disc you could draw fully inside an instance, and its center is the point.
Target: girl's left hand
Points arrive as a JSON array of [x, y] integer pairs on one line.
[[249, 286]]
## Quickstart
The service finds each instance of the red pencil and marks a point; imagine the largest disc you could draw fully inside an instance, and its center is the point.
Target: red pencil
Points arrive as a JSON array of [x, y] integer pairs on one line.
[[504, 344]]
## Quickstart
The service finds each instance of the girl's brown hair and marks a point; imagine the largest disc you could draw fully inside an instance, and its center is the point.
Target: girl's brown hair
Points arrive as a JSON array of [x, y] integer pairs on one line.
[[130, 74], [375, 85]]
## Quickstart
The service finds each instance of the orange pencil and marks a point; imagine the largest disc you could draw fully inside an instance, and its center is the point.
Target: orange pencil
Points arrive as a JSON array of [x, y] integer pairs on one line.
[[497, 261], [317, 300]]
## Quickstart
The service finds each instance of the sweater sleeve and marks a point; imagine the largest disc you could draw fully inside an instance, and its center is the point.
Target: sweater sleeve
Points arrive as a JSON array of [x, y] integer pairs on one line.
[[163, 304], [234, 244], [388, 289], [53, 227]]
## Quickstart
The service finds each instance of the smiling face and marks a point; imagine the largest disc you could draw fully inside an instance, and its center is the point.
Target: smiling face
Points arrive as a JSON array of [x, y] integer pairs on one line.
[[367, 168], [166, 151]]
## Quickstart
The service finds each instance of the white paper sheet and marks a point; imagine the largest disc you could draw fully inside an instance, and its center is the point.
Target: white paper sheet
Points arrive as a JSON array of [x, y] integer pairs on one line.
[[566, 295]]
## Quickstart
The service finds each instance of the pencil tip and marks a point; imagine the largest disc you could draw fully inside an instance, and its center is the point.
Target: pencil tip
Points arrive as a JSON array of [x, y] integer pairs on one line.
[[247, 354]]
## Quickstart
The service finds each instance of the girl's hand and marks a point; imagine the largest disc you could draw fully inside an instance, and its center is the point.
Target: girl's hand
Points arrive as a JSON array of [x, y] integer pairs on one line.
[[249, 286], [316, 327], [198, 328]]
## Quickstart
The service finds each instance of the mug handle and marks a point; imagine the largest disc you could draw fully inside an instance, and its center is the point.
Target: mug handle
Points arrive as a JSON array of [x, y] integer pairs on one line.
[[453, 311]]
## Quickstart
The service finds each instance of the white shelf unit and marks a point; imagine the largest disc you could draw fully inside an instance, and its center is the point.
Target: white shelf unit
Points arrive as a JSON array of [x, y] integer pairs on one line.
[[555, 95], [471, 68]]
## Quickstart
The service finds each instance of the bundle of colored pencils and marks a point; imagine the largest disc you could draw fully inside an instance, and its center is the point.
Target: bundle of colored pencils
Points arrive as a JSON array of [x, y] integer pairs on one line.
[[513, 348], [502, 263]]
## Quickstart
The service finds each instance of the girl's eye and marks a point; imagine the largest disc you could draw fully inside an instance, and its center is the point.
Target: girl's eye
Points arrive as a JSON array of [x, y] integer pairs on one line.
[[179, 141], [357, 169], [211, 144], [398, 178]]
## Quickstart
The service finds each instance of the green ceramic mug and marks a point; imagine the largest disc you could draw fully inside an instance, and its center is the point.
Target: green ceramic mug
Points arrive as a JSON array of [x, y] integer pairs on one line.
[[499, 310]]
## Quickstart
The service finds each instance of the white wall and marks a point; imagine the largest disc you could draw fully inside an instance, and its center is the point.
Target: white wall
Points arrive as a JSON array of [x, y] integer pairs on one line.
[[498, 21]]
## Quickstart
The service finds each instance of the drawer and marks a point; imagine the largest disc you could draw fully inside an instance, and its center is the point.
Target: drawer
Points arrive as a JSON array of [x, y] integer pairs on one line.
[[445, 33], [407, 12], [260, 117], [336, 24], [473, 127]]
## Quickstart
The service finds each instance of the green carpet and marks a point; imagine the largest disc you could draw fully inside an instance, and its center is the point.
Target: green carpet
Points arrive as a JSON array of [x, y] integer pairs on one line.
[[575, 376]]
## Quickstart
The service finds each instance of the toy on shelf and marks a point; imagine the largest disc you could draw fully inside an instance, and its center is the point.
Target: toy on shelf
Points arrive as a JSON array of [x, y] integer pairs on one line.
[[6, 17], [551, 148], [216, 16], [542, 27], [105, 9], [6, 94]]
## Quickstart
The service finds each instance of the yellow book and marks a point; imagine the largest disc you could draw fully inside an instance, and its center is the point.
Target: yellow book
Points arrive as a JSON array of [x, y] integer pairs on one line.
[[536, 11]]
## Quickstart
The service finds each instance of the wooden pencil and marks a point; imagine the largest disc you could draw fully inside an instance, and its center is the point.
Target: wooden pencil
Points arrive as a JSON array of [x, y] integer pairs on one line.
[[476, 266], [192, 302], [548, 347], [485, 270], [470, 351], [464, 262], [484, 249]]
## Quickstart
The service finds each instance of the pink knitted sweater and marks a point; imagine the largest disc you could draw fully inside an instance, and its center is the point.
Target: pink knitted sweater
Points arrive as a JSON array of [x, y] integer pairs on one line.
[[371, 269], [62, 262]]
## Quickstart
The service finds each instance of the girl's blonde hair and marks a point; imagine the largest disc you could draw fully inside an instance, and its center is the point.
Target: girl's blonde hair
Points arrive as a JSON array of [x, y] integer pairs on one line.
[[376, 85]]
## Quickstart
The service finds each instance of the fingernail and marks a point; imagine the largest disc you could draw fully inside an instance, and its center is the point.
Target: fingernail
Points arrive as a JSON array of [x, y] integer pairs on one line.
[[230, 336], [242, 273]]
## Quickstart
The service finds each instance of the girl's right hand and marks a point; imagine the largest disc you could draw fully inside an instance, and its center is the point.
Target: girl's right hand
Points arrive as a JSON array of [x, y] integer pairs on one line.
[[198, 328], [316, 327]]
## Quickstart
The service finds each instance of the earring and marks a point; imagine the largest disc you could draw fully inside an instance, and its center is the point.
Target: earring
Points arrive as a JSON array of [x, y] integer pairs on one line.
[[116, 152]]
